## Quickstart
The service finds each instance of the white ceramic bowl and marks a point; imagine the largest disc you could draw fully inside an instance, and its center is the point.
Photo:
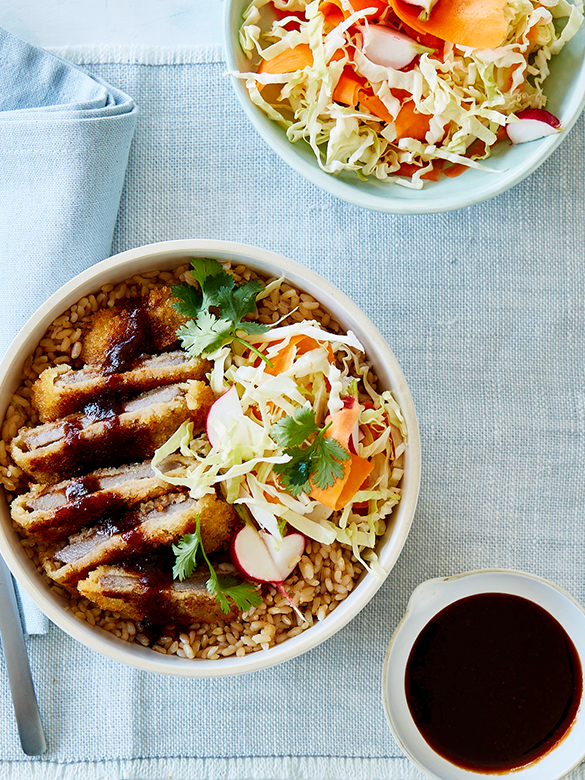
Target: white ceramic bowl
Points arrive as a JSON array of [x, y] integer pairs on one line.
[[429, 599], [170, 254], [565, 88]]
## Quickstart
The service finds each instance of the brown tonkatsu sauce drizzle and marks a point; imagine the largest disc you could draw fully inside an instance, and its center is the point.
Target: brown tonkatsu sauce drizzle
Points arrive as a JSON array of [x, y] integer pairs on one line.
[[84, 497], [78, 489], [122, 522], [107, 402], [117, 445], [132, 342], [118, 520], [156, 576], [493, 682]]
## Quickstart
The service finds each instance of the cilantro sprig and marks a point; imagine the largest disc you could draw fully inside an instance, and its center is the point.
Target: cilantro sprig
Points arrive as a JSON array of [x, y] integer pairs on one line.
[[185, 556], [318, 463], [220, 586], [217, 310]]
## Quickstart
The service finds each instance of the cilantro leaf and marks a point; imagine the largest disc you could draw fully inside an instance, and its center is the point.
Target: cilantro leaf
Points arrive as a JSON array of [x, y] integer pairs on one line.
[[244, 594], [210, 330], [204, 335], [252, 327], [211, 278], [186, 556], [291, 431], [215, 590], [295, 474], [327, 468], [202, 268], [320, 462], [216, 290], [189, 300], [236, 303]]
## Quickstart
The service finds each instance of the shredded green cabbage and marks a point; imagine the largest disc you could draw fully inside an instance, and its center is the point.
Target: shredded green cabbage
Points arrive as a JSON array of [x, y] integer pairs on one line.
[[321, 376], [469, 94]]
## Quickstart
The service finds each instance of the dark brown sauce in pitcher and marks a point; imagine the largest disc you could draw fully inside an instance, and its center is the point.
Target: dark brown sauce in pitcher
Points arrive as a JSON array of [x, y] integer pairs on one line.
[[493, 682]]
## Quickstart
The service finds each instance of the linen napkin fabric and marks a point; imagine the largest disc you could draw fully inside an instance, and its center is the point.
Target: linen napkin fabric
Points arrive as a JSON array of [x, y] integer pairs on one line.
[[485, 311], [64, 141]]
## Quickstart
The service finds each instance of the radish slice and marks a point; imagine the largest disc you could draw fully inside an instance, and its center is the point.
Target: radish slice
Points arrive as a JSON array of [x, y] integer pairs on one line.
[[285, 553], [221, 414], [541, 115], [254, 559], [533, 123], [387, 47]]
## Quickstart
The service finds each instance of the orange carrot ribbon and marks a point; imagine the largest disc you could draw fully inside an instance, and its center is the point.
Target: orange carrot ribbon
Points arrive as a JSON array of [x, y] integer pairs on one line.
[[288, 61], [481, 24], [356, 470]]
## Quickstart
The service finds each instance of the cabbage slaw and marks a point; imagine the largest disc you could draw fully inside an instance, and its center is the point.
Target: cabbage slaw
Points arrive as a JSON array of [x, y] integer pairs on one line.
[[468, 94], [325, 369]]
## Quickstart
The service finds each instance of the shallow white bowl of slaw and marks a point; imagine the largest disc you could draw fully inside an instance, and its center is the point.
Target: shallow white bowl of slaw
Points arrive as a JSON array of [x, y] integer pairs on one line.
[[165, 255], [565, 88]]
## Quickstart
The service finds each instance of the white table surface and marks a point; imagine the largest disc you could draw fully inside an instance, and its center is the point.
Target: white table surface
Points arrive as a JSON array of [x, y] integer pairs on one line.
[[85, 22]]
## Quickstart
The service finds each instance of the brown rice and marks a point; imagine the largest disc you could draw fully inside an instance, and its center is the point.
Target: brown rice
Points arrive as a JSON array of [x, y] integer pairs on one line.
[[326, 573]]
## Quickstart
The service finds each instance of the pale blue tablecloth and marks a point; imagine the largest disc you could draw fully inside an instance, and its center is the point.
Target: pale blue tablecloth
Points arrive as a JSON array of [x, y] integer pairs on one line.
[[64, 142], [485, 311]]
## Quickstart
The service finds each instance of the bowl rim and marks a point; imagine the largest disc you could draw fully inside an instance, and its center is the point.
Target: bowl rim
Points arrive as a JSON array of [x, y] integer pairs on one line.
[[506, 178], [426, 601], [168, 254]]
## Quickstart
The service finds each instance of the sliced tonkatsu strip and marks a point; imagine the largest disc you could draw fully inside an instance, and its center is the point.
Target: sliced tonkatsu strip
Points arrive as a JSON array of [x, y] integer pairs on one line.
[[154, 595], [164, 319], [132, 328], [61, 391], [159, 522], [105, 437], [51, 513]]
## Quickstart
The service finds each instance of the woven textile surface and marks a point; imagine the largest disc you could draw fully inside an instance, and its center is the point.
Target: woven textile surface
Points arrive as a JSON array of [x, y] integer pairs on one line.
[[64, 141], [485, 311]]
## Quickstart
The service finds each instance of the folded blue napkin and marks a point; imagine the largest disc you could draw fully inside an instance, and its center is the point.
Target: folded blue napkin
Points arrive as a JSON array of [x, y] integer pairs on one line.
[[64, 142]]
